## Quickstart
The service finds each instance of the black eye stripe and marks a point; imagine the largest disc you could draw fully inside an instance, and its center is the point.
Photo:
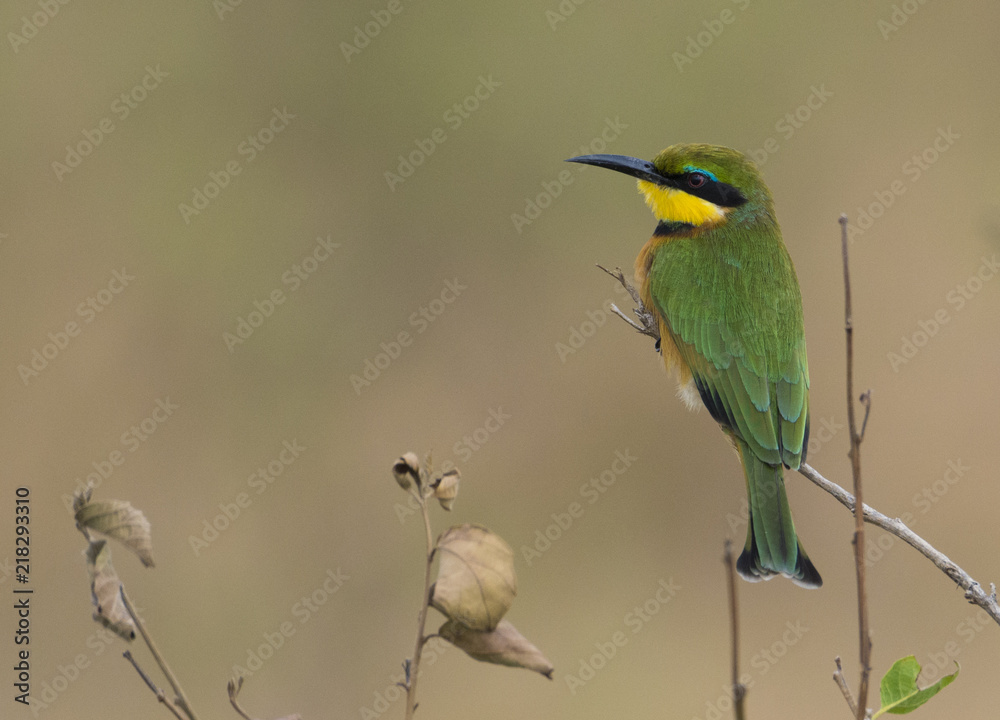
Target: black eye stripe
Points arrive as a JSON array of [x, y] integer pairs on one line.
[[714, 191]]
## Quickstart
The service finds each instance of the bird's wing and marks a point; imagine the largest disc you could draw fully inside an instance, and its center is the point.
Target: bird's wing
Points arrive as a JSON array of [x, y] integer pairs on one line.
[[738, 326]]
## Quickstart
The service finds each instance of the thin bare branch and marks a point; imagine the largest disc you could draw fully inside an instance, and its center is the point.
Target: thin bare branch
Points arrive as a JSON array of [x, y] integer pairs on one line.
[[864, 637], [413, 666], [739, 689], [160, 660], [841, 681], [974, 591], [160, 695]]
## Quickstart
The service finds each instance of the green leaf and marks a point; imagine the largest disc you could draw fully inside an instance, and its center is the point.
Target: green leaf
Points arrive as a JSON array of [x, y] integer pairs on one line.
[[900, 693]]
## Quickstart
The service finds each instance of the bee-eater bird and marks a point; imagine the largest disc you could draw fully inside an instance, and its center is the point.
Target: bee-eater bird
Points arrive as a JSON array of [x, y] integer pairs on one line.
[[717, 275]]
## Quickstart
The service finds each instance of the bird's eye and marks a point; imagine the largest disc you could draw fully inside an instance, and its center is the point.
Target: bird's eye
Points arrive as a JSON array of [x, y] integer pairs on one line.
[[696, 180]]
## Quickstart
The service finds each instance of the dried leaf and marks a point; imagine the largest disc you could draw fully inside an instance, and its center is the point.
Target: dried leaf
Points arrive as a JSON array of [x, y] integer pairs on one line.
[[446, 488], [502, 646], [104, 591], [476, 583], [117, 519], [406, 469]]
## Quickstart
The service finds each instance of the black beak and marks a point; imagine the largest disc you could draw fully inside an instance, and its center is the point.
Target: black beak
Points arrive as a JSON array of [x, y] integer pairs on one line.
[[642, 169]]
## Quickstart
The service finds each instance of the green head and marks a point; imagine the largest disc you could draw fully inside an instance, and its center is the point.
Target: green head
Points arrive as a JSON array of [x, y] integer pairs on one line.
[[695, 185]]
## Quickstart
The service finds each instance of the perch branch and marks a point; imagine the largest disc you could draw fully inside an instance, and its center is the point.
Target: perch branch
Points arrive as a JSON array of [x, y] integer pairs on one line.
[[974, 591]]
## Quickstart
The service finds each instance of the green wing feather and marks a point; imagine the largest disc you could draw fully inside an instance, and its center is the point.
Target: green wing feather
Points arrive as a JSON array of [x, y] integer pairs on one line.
[[732, 307], [734, 312]]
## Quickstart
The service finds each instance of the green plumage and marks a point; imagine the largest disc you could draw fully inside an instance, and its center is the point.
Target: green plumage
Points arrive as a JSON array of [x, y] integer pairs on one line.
[[718, 274]]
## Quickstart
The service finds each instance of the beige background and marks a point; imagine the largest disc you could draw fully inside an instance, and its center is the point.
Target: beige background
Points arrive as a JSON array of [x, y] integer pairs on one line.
[[527, 289]]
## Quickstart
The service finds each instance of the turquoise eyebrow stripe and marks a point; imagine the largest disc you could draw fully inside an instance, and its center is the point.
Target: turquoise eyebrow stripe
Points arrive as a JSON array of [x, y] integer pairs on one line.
[[692, 168]]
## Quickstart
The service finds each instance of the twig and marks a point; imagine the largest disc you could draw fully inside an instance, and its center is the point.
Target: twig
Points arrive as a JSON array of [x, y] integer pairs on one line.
[[838, 677], [864, 637], [413, 666], [160, 695], [974, 591], [168, 673], [233, 687], [650, 326], [739, 689]]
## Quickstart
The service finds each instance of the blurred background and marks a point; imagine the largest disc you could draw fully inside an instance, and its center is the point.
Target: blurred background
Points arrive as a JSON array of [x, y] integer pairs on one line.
[[219, 218]]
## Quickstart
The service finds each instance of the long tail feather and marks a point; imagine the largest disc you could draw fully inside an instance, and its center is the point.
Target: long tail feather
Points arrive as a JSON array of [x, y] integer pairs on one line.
[[772, 546]]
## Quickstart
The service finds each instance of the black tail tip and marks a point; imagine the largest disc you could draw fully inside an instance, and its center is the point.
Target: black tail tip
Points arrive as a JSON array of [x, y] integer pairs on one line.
[[806, 575]]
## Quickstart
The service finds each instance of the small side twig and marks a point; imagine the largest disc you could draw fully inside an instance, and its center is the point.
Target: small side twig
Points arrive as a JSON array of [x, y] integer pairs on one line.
[[739, 689], [160, 695], [864, 639], [841, 681], [167, 672], [650, 326], [233, 687]]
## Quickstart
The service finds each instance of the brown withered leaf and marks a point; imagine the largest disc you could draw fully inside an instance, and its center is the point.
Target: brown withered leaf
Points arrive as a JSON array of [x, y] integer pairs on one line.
[[503, 646], [117, 519], [476, 583], [104, 591]]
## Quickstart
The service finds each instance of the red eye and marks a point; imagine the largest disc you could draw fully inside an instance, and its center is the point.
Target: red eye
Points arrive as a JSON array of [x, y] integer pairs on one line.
[[696, 180]]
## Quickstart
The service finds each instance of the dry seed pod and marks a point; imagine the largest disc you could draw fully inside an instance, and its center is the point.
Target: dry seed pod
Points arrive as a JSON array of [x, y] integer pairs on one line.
[[446, 488], [407, 469]]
